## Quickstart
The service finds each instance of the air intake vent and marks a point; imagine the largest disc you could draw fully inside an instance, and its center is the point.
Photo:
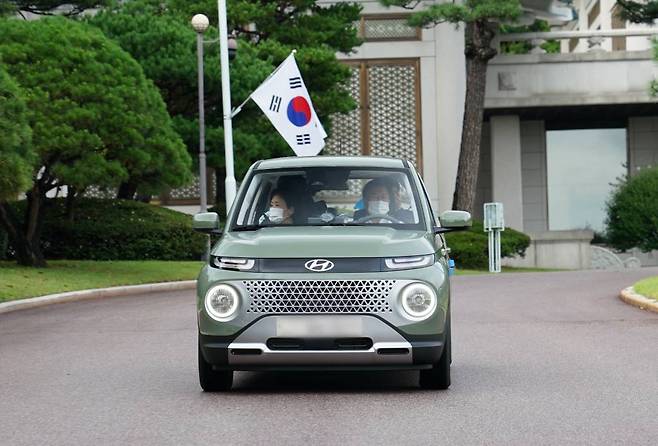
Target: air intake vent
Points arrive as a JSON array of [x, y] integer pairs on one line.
[[319, 296]]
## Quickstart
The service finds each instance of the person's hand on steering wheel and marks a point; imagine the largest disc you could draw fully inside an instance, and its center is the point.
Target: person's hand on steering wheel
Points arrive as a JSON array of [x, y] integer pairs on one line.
[[368, 218]]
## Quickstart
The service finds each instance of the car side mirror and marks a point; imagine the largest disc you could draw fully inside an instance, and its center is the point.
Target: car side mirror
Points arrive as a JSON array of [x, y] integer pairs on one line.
[[207, 222], [454, 221]]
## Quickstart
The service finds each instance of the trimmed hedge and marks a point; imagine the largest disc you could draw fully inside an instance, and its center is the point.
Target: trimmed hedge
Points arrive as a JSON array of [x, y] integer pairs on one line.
[[470, 249], [117, 230], [633, 212]]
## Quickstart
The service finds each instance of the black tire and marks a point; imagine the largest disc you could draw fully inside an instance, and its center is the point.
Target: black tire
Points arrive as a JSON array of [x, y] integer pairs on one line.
[[438, 377], [213, 380]]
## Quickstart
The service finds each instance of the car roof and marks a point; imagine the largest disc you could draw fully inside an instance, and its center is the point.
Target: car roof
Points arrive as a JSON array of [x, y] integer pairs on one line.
[[330, 161]]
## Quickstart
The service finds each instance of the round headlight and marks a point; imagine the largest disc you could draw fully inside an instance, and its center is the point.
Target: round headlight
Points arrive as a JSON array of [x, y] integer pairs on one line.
[[222, 301], [418, 301]]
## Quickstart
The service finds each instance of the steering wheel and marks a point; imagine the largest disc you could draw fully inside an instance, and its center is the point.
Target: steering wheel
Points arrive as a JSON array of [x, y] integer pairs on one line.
[[367, 218]]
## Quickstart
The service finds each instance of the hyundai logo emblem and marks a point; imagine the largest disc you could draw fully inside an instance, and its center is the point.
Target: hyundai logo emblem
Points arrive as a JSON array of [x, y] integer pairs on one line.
[[319, 265]]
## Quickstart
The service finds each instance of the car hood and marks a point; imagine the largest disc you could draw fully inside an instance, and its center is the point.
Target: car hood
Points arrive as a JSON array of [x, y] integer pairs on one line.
[[324, 241]]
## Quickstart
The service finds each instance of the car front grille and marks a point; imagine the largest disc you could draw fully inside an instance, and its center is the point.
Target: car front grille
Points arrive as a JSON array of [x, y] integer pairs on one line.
[[319, 296]]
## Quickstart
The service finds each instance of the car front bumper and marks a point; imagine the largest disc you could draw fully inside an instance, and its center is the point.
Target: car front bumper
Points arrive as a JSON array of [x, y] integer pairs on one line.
[[322, 342]]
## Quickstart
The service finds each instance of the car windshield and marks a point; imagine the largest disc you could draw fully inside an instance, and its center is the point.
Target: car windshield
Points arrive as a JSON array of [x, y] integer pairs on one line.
[[328, 196]]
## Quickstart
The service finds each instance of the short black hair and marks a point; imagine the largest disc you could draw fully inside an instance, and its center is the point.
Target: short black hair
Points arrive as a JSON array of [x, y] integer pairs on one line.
[[287, 196], [375, 183]]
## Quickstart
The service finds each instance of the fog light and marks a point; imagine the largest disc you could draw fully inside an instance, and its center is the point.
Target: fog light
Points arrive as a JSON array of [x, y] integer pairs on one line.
[[222, 301], [418, 301]]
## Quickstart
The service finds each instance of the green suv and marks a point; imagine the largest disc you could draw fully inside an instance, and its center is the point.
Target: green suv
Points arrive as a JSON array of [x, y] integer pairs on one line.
[[327, 263]]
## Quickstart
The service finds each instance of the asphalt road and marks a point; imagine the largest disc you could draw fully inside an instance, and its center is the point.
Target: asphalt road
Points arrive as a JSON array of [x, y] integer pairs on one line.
[[538, 358]]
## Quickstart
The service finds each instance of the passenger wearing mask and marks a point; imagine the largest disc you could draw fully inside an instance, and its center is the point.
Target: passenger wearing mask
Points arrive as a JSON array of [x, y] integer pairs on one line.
[[282, 209]]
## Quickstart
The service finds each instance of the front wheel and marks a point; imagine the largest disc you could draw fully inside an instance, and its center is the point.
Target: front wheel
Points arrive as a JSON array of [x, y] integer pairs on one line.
[[438, 377], [213, 380]]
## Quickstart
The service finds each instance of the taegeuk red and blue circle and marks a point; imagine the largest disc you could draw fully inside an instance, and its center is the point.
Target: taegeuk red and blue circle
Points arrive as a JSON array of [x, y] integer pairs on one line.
[[299, 111]]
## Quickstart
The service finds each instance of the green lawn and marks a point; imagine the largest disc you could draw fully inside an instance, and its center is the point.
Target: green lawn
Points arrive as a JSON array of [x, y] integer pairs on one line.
[[647, 287], [18, 282]]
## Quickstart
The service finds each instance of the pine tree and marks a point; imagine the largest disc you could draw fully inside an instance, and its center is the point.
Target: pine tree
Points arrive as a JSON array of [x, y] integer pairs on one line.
[[95, 119], [158, 35]]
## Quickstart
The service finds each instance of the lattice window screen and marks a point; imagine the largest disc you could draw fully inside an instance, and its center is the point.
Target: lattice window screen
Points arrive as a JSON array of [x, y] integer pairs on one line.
[[394, 120], [98, 192], [388, 29], [191, 192], [346, 129], [186, 193]]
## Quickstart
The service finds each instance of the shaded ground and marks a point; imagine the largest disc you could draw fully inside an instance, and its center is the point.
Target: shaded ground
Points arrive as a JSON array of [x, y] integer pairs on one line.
[[539, 358]]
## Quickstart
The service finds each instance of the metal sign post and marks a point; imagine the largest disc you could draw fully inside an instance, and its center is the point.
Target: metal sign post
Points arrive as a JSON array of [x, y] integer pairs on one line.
[[494, 224]]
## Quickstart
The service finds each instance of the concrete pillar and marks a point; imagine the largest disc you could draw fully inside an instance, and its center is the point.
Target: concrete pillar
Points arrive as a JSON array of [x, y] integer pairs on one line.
[[450, 91], [506, 168]]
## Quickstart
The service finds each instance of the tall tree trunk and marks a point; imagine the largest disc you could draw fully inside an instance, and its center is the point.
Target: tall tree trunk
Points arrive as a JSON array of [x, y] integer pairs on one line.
[[70, 204], [32, 222], [478, 52], [27, 250], [127, 191]]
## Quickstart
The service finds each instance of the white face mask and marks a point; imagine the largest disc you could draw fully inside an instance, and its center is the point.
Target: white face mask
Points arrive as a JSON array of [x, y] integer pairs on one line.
[[275, 215], [378, 207]]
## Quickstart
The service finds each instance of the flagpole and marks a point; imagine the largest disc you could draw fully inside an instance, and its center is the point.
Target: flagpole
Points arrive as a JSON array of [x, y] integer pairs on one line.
[[229, 182]]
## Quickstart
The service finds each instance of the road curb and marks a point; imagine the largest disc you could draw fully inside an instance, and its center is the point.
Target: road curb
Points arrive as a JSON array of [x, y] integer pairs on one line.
[[629, 296], [97, 293]]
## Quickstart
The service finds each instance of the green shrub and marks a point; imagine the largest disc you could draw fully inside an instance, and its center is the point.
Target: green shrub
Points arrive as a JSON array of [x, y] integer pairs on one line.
[[470, 249], [632, 219], [118, 230]]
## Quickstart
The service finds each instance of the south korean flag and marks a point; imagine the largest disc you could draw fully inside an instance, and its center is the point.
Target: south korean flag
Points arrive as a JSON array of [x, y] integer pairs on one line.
[[285, 101]]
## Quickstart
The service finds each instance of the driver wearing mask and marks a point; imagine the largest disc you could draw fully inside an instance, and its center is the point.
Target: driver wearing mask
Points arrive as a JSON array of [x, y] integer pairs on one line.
[[381, 197]]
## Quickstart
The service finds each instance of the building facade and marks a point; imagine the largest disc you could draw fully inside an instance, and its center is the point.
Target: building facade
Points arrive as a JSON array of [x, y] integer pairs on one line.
[[560, 129]]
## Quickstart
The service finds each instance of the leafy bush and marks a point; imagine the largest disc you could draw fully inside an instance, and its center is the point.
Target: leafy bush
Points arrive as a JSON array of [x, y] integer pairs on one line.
[[470, 248], [117, 230], [633, 212]]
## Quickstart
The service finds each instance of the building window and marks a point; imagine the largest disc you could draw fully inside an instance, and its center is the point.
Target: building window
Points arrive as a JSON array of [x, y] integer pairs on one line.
[[582, 166], [377, 28]]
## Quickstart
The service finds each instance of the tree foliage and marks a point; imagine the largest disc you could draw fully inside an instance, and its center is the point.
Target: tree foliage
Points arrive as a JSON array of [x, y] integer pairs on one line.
[[47, 7], [524, 47], [470, 11], [632, 219], [639, 11], [158, 34], [95, 118], [16, 156]]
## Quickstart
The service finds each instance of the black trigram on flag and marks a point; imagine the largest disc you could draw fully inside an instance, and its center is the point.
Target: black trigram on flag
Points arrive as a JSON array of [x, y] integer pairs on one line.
[[303, 139], [275, 103], [295, 82]]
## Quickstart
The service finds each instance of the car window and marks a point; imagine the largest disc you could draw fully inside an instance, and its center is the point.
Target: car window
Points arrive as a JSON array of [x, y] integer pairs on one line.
[[329, 196]]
